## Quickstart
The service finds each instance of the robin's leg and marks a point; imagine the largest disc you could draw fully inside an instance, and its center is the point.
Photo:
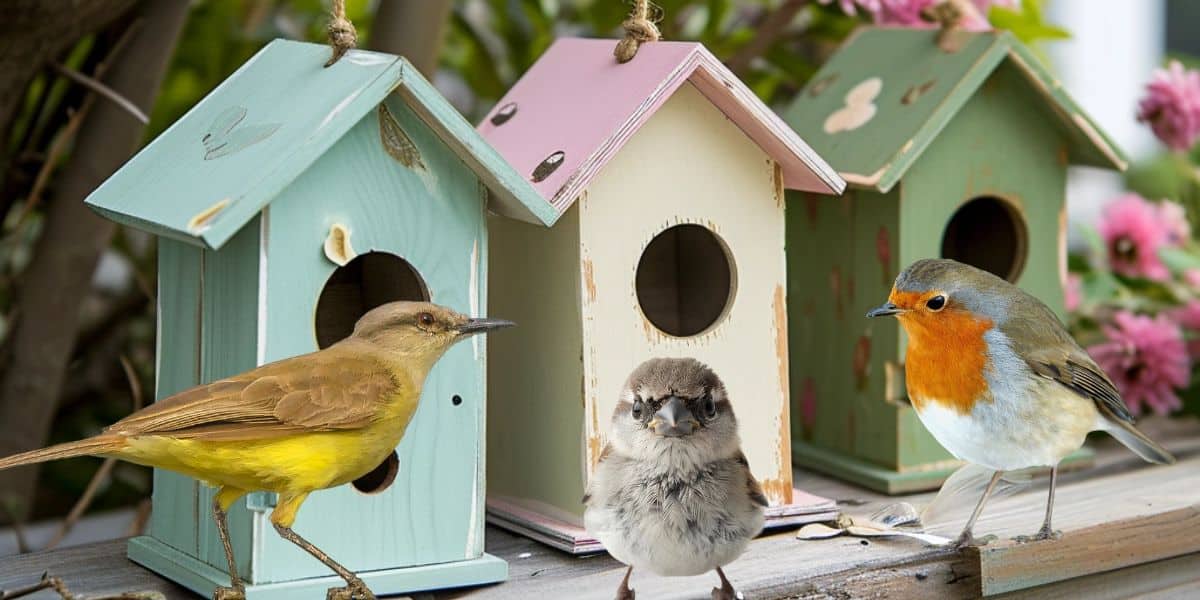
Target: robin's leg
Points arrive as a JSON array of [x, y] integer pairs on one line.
[[1046, 532], [282, 518], [967, 538], [726, 591], [623, 591], [225, 498]]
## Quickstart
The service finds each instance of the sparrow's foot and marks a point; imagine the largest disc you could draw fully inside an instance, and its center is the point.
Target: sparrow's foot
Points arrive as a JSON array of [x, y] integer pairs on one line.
[[356, 590], [624, 593], [725, 592], [229, 593], [968, 540], [1045, 533]]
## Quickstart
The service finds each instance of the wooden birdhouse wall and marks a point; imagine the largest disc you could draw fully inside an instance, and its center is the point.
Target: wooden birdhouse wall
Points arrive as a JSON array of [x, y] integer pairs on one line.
[[723, 280], [1002, 151], [255, 301]]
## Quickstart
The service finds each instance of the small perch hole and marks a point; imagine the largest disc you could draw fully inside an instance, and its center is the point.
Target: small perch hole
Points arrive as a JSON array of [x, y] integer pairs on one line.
[[365, 282], [685, 280], [380, 478], [989, 233]]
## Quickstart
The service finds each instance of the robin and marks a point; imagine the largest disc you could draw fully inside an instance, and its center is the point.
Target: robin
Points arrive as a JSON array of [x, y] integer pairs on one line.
[[673, 492], [998, 381]]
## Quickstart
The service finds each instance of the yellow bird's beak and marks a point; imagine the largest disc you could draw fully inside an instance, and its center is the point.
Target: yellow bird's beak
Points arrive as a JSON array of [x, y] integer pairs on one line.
[[474, 326]]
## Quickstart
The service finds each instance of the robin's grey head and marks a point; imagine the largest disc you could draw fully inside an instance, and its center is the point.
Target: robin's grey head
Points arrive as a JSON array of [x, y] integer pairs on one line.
[[933, 285], [669, 404]]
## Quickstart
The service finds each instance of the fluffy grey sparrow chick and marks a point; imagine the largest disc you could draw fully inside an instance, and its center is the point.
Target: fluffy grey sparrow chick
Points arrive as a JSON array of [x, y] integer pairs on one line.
[[673, 492]]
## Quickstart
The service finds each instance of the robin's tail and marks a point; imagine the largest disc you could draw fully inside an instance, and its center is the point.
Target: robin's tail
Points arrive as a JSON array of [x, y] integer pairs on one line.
[[1137, 441], [101, 444]]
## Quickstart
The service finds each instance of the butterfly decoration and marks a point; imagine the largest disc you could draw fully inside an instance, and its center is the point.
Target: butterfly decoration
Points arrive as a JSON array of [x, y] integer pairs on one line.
[[225, 137]]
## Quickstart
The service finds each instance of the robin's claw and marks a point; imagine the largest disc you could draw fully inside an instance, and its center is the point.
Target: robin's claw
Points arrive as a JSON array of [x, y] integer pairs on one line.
[[1043, 534], [968, 540]]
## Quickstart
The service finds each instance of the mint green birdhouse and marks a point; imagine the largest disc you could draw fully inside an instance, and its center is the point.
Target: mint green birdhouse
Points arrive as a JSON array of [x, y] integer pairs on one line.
[[953, 144], [288, 202]]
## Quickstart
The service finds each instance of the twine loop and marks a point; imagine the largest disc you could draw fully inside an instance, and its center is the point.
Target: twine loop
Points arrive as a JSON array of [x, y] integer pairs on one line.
[[639, 29], [342, 35]]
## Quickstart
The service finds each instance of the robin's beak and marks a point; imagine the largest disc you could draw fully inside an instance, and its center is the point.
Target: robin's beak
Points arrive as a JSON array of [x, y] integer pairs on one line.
[[473, 326], [674, 419], [886, 310]]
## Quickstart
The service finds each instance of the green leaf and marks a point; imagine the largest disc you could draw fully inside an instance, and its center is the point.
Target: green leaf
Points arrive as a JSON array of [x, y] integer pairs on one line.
[[1178, 260], [1026, 22]]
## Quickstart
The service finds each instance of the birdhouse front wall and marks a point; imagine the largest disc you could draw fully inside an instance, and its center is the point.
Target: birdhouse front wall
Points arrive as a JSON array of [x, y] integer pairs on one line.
[[689, 166], [410, 197], [988, 190]]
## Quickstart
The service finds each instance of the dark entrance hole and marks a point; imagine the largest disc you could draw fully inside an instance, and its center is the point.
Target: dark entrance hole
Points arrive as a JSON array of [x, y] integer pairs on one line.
[[379, 478], [365, 282], [988, 232], [685, 280]]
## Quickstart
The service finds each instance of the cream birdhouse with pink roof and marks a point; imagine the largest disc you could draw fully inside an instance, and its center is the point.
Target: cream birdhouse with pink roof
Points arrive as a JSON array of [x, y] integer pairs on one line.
[[667, 175]]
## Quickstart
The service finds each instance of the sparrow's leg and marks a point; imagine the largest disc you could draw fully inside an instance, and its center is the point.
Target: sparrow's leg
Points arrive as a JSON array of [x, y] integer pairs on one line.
[[1046, 532], [224, 498], [726, 591], [623, 591], [282, 518], [967, 538]]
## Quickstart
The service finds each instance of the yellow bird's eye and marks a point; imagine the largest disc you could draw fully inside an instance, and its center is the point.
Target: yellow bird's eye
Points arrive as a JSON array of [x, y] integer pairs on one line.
[[425, 319]]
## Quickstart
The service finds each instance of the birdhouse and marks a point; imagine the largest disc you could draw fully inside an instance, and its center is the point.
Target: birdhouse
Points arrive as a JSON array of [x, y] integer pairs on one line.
[[667, 176], [953, 145], [288, 202]]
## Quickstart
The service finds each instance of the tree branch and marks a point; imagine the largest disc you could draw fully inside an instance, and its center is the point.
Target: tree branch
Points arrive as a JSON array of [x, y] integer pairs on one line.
[[768, 30], [413, 30]]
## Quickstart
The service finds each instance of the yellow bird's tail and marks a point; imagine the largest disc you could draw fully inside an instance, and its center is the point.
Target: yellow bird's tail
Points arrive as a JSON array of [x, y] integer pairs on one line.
[[101, 444]]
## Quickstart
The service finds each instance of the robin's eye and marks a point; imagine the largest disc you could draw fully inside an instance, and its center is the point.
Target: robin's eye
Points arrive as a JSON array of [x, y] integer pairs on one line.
[[710, 406], [936, 303], [425, 319], [639, 408]]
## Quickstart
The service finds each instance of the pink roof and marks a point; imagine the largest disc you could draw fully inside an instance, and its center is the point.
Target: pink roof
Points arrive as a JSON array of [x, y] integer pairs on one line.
[[577, 100]]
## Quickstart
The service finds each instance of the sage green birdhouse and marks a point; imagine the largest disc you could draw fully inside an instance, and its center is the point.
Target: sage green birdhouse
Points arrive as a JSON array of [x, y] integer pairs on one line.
[[954, 145], [289, 201]]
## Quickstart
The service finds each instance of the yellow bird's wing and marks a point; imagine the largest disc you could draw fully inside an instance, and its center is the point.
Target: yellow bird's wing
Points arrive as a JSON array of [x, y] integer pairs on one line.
[[334, 389]]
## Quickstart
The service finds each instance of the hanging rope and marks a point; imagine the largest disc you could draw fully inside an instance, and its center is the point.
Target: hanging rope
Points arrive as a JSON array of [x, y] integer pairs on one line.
[[342, 36], [639, 29]]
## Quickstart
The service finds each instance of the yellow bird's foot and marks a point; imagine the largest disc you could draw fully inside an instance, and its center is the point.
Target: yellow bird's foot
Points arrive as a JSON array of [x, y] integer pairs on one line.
[[230, 593], [356, 590]]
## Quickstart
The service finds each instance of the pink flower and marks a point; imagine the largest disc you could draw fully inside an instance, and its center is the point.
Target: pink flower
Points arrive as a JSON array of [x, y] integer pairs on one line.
[[907, 13], [848, 6], [1146, 359], [1174, 218], [1172, 106], [1192, 278], [1188, 317], [1133, 231], [1073, 292]]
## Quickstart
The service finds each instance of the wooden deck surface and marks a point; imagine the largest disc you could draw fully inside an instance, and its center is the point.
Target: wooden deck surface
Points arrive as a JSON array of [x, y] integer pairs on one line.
[[1127, 529]]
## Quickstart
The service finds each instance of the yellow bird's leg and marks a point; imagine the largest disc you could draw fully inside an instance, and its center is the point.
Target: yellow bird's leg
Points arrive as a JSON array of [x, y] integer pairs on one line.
[[225, 498], [282, 518]]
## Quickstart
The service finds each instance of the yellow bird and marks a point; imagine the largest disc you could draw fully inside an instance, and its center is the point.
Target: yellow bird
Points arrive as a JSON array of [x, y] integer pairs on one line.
[[291, 427]]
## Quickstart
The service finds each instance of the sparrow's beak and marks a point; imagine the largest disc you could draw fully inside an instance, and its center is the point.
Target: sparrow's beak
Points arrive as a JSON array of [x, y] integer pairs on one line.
[[473, 326], [886, 310], [674, 419]]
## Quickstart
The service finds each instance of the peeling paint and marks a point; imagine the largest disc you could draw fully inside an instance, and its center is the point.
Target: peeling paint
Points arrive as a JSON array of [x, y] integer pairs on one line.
[[777, 491], [338, 108], [337, 245], [862, 361], [203, 219], [883, 251], [780, 324], [589, 280], [396, 142]]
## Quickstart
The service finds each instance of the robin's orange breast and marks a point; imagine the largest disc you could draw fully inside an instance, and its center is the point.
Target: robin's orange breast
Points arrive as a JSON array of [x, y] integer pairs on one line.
[[946, 359]]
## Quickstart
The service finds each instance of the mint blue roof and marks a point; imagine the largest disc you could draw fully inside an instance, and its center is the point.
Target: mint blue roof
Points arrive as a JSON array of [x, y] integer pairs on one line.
[[214, 169]]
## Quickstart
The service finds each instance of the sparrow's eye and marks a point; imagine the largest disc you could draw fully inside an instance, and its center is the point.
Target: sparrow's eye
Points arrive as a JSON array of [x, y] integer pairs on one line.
[[936, 303], [710, 406], [639, 408], [425, 319]]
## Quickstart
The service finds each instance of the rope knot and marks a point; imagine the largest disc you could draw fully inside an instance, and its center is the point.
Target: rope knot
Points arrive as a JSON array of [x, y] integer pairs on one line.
[[639, 29], [342, 35]]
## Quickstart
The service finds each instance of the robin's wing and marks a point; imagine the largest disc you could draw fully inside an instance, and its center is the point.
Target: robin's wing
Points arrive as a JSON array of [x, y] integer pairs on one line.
[[1038, 337], [755, 490], [326, 391], [604, 454]]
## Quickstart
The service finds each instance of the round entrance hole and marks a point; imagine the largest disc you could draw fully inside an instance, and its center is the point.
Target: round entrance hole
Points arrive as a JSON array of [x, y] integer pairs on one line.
[[685, 280], [379, 478], [368, 281], [987, 232]]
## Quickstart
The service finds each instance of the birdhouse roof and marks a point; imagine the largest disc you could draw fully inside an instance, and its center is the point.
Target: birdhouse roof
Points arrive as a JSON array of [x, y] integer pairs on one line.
[[578, 104], [220, 164], [881, 99]]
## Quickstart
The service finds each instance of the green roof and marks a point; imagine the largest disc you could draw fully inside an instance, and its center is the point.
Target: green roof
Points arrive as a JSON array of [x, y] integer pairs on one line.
[[219, 165], [916, 88]]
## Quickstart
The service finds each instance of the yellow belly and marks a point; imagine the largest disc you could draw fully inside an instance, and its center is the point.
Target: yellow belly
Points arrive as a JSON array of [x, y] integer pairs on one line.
[[287, 464]]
